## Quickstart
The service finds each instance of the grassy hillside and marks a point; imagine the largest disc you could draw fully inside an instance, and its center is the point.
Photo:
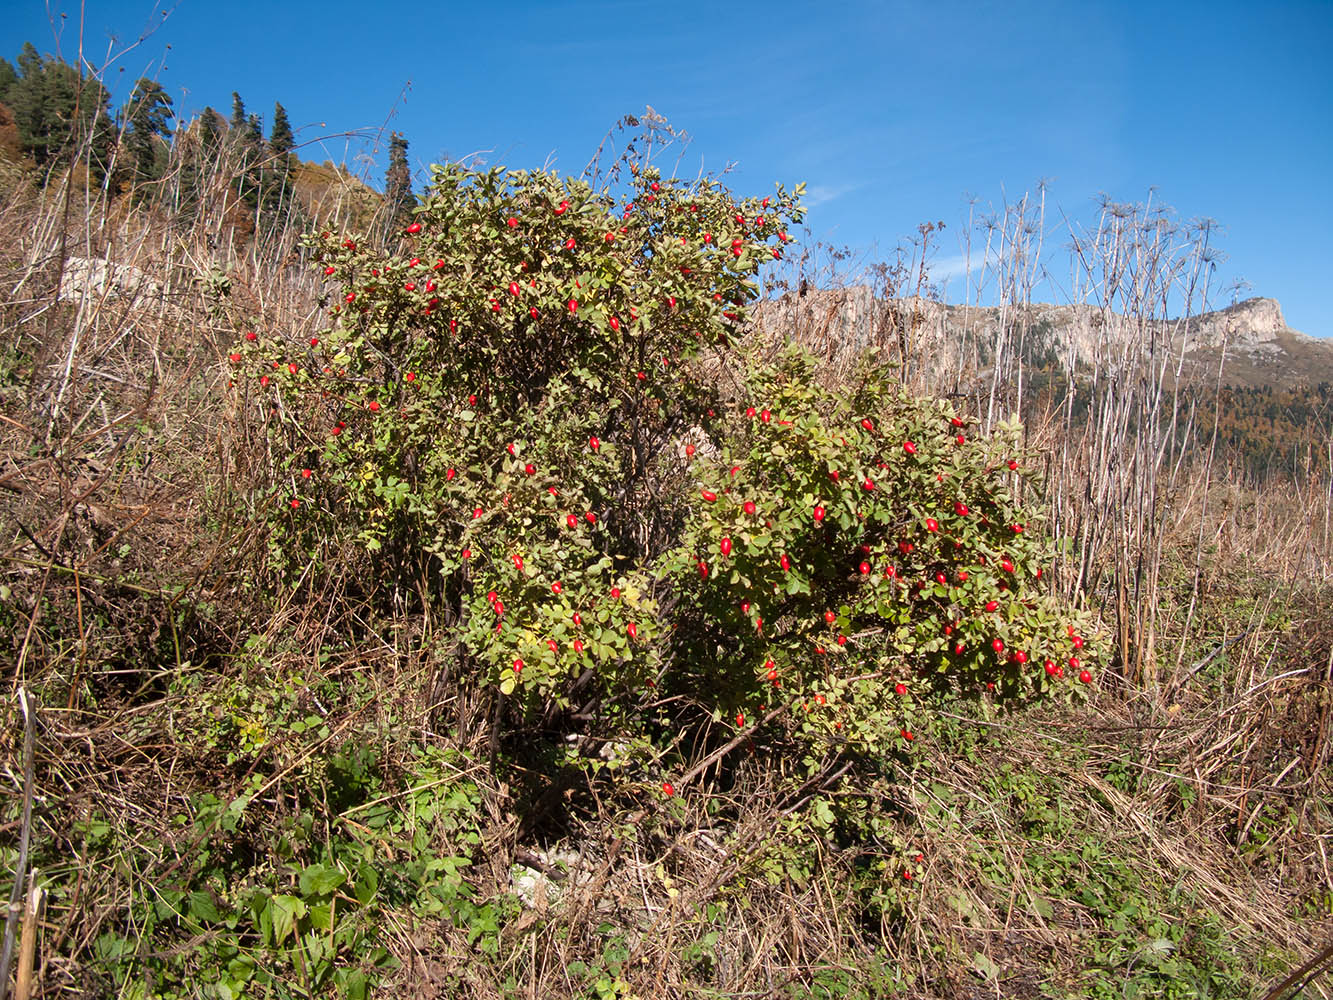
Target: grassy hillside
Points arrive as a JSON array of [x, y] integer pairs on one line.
[[248, 781], [330, 194]]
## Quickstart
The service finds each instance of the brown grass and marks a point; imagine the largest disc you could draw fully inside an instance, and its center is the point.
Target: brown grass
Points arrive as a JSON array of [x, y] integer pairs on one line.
[[128, 560]]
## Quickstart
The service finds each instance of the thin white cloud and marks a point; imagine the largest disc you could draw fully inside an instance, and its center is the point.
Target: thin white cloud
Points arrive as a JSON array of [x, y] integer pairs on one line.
[[822, 194], [947, 268]]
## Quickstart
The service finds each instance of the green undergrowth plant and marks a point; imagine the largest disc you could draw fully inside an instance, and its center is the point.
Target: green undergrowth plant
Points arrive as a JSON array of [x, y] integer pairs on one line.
[[1128, 926], [288, 878], [999, 861]]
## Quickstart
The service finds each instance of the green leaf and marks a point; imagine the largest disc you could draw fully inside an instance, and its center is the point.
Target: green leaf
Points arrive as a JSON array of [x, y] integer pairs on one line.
[[984, 967], [367, 882], [286, 911], [319, 880], [203, 909], [321, 917]]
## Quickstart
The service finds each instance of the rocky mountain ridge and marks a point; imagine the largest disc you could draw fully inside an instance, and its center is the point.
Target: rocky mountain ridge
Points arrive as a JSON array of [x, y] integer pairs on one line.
[[1250, 341]]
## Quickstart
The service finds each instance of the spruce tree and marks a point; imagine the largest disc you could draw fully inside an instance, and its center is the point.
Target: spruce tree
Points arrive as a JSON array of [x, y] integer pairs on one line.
[[30, 61], [237, 111], [281, 141], [398, 199], [43, 96], [211, 125], [147, 119], [8, 77], [248, 140], [276, 178], [37, 106]]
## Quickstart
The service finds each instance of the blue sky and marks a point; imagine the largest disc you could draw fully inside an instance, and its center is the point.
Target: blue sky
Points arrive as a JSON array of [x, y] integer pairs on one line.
[[892, 113]]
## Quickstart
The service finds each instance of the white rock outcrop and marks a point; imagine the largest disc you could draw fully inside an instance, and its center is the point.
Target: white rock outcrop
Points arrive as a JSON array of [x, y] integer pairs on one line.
[[97, 278]]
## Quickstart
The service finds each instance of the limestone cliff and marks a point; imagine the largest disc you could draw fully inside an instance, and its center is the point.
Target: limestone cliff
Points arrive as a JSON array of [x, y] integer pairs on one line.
[[1250, 341]]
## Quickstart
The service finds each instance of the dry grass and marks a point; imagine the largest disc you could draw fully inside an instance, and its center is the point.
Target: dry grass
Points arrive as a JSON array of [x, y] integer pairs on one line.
[[128, 566]]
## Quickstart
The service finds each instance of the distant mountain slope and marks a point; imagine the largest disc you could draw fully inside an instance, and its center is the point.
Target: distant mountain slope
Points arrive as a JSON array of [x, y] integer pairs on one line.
[[329, 192], [1250, 340], [1273, 418], [1260, 349]]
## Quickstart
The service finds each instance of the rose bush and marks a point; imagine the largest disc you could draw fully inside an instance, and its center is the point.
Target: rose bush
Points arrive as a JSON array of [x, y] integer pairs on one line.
[[515, 419], [859, 553]]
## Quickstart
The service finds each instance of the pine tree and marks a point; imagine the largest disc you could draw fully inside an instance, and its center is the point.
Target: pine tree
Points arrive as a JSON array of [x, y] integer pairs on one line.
[[147, 118], [8, 77], [398, 198], [276, 196], [43, 96], [281, 141], [211, 125], [237, 111]]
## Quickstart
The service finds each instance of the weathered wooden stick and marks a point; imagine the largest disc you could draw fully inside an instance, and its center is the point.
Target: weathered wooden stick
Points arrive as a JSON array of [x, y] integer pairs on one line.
[[28, 942], [15, 907]]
